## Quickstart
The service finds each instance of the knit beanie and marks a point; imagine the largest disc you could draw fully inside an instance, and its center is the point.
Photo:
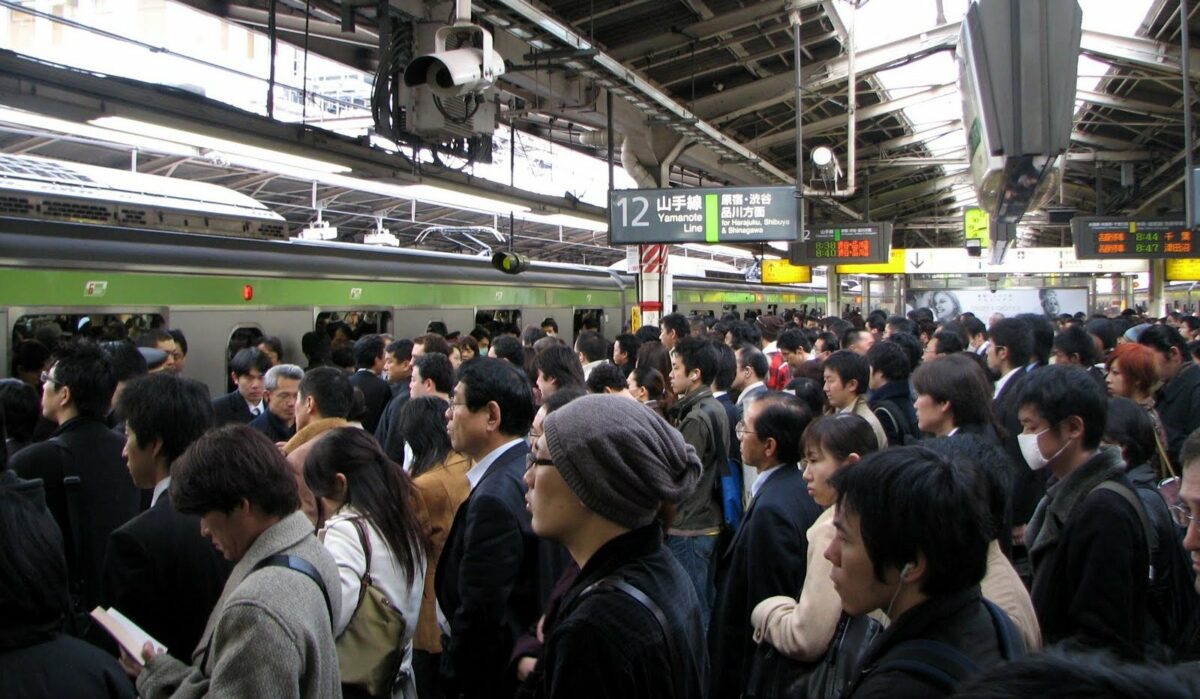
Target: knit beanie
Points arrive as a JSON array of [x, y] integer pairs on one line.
[[620, 457]]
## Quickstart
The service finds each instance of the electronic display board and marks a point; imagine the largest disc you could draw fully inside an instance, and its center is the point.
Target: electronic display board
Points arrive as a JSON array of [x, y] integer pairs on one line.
[[702, 215], [1102, 237], [842, 243]]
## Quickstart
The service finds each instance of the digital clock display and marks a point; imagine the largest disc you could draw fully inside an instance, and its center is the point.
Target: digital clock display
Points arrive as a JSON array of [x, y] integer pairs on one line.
[[1098, 238]]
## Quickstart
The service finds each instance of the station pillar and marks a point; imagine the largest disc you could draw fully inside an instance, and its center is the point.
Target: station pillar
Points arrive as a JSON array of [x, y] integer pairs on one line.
[[1158, 270], [654, 283], [832, 289]]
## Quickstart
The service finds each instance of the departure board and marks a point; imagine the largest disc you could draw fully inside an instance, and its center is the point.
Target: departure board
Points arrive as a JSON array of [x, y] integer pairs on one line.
[[1098, 238], [843, 243], [702, 215]]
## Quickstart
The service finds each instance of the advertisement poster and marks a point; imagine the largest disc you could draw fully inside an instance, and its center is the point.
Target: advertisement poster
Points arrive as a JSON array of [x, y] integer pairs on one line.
[[948, 303]]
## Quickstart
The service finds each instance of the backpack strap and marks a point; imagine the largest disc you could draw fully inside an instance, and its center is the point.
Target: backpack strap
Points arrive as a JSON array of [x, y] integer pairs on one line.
[[301, 566], [937, 663], [613, 582], [1147, 531], [1006, 631]]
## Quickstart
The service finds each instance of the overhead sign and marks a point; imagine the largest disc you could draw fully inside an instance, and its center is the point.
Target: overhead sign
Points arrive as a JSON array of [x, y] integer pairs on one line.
[[895, 265], [784, 272], [1183, 270], [702, 215], [977, 225], [1099, 238], [842, 243], [1016, 261]]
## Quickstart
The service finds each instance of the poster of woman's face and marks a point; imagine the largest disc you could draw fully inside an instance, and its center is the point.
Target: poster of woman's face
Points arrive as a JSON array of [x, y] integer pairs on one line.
[[947, 304]]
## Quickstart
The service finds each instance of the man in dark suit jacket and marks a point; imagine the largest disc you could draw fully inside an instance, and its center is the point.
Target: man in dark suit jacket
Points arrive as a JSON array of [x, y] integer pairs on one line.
[[768, 554], [487, 577], [369, 357], [248, 369], [158, 570], [278, 421], [397, 369], [88, 489]]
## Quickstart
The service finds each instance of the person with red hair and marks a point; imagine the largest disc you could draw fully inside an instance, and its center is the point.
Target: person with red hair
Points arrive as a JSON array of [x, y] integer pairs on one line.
[[1133, 374]]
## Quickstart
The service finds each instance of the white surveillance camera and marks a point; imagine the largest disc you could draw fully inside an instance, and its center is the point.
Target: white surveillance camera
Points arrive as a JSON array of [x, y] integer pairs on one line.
[[456, 72]]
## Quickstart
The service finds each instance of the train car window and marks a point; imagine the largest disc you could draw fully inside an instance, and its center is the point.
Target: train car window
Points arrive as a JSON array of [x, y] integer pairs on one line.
[[346, 326], [588, 319], [52, 328], [491, 318]]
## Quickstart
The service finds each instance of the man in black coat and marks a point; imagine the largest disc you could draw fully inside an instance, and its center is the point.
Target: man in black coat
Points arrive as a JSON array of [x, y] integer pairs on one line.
[[1086, 542], [248, 369], [488, 576], [278, 421], [397, 369], [88, 488], [768, 554], [159, 571], [369, 358], [1178, 401]]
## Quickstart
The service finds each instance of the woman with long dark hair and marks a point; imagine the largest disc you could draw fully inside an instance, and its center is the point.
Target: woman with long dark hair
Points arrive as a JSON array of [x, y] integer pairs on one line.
[[440, 476], [367, 511]]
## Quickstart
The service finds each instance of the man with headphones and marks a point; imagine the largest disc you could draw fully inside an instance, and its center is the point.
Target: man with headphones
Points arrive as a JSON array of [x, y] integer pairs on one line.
[[912, 540]]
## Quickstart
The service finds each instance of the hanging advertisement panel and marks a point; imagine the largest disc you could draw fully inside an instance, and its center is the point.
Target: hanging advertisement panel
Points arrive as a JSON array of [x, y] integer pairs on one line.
[[948, 303]]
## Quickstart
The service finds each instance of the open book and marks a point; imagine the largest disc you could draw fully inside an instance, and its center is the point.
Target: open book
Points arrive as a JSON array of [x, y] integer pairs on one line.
[[127, 634]]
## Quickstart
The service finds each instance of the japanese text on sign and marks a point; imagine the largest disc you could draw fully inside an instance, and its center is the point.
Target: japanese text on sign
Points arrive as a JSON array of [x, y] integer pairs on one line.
[[729, 214]]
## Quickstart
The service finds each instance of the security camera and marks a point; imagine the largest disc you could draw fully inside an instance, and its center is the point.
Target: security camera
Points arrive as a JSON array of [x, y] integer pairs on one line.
[[456, 72]]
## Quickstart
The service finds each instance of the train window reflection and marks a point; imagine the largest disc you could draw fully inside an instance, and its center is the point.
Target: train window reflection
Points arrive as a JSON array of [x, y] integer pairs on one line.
[[52, 328], [494, 319]]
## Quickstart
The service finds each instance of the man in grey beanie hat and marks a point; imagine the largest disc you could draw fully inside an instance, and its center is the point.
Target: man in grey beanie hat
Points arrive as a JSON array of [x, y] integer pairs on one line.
[[630, 624]]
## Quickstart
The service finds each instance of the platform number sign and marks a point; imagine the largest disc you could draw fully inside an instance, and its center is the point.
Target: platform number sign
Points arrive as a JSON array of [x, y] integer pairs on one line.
[[702, 215]]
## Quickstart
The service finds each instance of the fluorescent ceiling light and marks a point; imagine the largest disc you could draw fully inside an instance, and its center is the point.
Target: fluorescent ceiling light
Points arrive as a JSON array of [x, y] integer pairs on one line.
[[460, 200], [233, 148], [41, 122], [567, 221]]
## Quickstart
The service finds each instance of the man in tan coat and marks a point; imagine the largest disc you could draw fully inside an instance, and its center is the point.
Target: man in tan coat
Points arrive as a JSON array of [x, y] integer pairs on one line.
[[324, 401]]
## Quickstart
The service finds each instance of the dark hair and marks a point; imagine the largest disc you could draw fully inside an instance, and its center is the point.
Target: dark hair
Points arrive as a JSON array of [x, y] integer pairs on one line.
[[368, 349], [850, 366], [180, 340], [1057, 392], [85, 369], [1074, 340], [342, 358], [532, 334], [21, 408], [1016, 336], [783, 418], [1162, 338], [274, 343], [33, 571], [1190, 451], [508, 348], [647, 333], [754, 358], [231, 464], [561, 365], [630, 344], [911, 346], [973, 326], [988, 461], [655, 355], [592, 345], [315, 346], [550, 323], [247, 360], [840, 436], [697, 353], [900, 324], [432, 342], [29, 355], [1042, 332], [1068, 672], [650, 379], [127, 361], [376, 487], [165, 406], [423, 424], [949, 343], [960, 381], [911, 500], [676, 323], [890, 360], [829, 342], [436, 327], [1129, 426], [480, 333], [436, 367], [561, 398], [727, 365], [331, 389], [793, 339], [810, 391], [486, 380], [606, 375], [745, 333], [1104, 329], [150, 337]]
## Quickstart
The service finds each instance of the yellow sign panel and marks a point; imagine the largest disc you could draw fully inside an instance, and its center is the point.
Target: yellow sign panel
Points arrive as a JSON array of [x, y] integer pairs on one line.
[[894, 265], [784, 272], [1183, 269], [977, 225]]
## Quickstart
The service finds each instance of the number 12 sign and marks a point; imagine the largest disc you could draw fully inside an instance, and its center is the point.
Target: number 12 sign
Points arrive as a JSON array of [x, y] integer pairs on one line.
[[702, 215]]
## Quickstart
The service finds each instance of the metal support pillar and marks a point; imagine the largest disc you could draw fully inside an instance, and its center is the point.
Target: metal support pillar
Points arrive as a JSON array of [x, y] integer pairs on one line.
[[1188, 117]]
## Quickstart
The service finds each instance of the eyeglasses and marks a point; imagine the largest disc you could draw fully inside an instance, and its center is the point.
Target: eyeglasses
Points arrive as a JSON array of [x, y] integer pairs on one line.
[[740, 429], [47, 377], [1183, 515], [531, 461]]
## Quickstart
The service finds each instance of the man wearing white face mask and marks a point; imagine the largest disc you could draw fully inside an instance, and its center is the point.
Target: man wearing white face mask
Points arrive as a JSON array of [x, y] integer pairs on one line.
[[1086, 541]]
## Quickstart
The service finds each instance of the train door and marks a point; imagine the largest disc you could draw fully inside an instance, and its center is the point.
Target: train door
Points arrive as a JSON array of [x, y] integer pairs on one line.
[[502, 316], [213, 332], [345, 325], [410, 322], [587, 319]]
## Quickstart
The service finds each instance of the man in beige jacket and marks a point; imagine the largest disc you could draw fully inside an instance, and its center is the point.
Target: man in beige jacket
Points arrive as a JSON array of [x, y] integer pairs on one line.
[[324, 401]]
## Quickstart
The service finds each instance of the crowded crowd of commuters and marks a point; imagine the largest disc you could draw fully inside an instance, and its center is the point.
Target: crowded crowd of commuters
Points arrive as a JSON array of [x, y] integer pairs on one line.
[[780, 506]]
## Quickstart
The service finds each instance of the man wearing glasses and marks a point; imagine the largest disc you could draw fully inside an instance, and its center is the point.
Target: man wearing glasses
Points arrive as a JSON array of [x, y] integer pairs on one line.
[[1188, 509], [88, 488], [487, 576]]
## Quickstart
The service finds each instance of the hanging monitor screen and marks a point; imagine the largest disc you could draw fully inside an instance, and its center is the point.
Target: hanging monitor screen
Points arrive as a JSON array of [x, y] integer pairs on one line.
[[702, 215], [843, 243], [1099, 237]]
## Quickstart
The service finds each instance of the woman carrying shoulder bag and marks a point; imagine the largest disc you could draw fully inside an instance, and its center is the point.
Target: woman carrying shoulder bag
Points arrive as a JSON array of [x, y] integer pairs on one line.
[[368, 522]]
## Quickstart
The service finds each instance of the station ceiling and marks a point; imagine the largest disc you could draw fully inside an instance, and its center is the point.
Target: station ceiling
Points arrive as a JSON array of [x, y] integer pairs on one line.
[[712, 80]]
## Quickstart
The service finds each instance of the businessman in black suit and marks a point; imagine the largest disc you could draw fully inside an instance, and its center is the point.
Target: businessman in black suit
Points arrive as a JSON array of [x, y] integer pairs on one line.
[[247, 369], [768, 554], [369, 357], [158, 570], [488, 576]]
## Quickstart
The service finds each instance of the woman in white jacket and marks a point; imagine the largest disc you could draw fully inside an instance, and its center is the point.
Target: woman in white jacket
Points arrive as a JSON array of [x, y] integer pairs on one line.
[[352, 479]]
